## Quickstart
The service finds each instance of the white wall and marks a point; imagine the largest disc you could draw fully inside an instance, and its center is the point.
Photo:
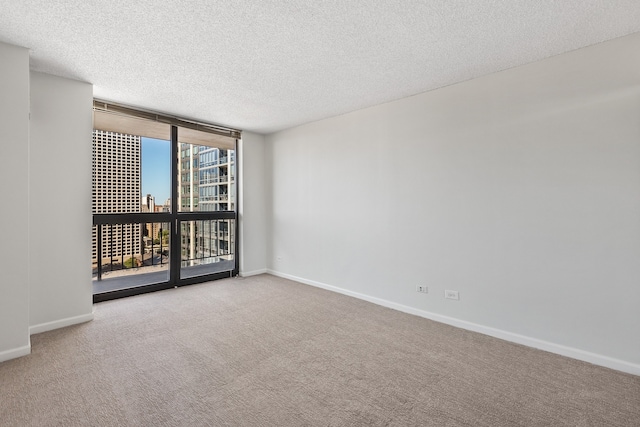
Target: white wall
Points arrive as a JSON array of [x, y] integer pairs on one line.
[[252, 209], [14, 179], [45, 186], [520, 190], [60, 202]]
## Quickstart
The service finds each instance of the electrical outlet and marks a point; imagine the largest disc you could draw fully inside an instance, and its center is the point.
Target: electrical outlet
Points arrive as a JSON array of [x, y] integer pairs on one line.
[[451, 295], [422, 288]]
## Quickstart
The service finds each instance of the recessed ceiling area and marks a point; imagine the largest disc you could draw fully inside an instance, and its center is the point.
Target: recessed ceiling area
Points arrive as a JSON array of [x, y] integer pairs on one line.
[[269, 65]]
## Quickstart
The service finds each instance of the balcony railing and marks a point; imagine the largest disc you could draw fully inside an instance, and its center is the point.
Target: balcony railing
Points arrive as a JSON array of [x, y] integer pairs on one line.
[[207, 242], [220, 161], [216, 198], [122, 247], [134, 249], [216, 179]]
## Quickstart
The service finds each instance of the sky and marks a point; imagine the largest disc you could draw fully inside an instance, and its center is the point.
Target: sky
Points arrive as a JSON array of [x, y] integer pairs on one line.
[[156, 169]]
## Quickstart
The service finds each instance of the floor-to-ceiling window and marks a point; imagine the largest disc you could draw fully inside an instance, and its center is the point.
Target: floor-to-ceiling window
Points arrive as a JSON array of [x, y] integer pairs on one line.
[[164, 202]]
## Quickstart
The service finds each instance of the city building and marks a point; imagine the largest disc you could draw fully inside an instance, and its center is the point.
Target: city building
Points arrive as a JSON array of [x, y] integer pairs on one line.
[[147, 203], [207, 183], [116, 189]]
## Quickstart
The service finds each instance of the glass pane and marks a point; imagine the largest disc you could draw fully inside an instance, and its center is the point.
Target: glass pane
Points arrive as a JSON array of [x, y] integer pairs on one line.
[[206, 177], [156, 175], [131, 255], [207, 246], [131, 174]]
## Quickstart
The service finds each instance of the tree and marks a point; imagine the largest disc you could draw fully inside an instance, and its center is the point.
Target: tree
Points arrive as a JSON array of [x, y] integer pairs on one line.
[[131, 262]]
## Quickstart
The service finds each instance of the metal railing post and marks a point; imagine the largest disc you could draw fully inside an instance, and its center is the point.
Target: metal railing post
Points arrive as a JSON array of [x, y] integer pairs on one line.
[[99, 251]]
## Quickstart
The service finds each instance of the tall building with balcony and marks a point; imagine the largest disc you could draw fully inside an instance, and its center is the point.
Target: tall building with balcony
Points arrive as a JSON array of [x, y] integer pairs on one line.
[[116, 189], [207, 183], [216, 179]]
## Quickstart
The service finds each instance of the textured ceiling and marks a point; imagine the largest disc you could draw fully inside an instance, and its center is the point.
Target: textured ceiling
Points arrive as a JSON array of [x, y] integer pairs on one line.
[[266, 65]]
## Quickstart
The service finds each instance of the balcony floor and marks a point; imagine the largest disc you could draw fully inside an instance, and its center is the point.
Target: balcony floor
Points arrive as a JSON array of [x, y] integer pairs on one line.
[[125, 279]]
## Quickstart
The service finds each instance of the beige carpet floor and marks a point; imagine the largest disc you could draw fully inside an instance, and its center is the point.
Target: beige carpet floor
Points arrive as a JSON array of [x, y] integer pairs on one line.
[[264, 351]]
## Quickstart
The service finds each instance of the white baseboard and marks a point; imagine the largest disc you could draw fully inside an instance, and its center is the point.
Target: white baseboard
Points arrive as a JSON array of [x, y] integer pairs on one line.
[[253, 273], [49, 326], [15, 353], [574, 353]]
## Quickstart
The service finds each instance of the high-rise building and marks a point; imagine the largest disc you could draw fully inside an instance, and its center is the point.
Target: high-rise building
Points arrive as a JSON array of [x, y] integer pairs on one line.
[[207, 183], [148, 203], [216, 183], [116, 189]]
